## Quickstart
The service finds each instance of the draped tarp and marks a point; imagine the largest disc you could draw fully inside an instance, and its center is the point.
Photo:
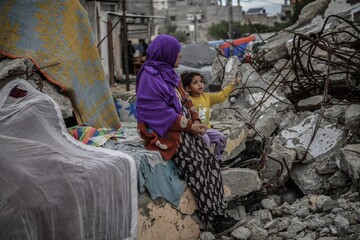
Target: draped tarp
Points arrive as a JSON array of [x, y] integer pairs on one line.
[[197, 55], [54, 187], [51, 32]]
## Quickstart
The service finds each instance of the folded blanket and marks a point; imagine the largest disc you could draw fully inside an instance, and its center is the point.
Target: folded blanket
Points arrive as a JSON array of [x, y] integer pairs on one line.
[[160, 178]]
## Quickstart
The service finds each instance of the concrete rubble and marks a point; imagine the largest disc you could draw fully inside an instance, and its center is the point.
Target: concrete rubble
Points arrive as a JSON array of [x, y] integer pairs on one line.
[[293, 131], [293, 135], [11, 69], [292, 101]]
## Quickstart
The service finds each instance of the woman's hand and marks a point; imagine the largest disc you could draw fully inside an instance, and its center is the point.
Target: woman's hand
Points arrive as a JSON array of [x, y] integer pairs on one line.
[[198, 128]]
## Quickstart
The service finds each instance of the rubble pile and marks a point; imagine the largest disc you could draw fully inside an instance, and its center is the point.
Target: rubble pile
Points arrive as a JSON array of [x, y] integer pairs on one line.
[[299, 105]]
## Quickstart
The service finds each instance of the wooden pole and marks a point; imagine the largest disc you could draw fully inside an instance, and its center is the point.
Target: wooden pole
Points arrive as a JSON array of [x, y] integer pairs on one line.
[[230, 26], [125, 45]]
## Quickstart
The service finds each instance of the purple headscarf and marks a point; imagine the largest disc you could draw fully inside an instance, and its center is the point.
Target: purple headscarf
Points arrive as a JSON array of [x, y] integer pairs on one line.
[[157, 104]]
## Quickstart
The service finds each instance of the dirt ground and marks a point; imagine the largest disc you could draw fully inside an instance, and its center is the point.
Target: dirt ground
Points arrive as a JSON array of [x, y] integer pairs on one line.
[[122, 88]]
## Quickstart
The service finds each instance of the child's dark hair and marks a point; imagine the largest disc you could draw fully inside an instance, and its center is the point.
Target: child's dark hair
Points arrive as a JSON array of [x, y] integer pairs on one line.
[[186, 77]]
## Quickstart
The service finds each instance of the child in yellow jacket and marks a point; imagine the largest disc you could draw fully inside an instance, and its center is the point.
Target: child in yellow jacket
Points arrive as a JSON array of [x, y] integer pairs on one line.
[[194, 84]]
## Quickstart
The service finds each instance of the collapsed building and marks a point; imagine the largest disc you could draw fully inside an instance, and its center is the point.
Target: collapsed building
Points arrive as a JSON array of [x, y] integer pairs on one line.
[[293, 138]]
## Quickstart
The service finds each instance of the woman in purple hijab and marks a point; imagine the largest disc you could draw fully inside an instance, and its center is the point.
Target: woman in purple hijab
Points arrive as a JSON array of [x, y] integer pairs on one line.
[[168, 123]]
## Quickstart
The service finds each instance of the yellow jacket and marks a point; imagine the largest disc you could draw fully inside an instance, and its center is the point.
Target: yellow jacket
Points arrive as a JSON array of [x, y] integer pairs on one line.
[[204, 102]]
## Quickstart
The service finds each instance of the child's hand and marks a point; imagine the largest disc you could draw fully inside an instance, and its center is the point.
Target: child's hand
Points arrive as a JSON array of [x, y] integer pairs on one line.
[[236, 81]]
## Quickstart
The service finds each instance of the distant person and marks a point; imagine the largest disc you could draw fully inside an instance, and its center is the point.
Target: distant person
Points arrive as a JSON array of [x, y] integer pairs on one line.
[[130, 57], [143, 47], [168, 124], [194, 84]]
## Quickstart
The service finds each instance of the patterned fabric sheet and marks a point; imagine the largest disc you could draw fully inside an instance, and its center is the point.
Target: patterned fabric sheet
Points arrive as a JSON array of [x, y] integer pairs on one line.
[[95, 137], [126, 110], [57, 37]]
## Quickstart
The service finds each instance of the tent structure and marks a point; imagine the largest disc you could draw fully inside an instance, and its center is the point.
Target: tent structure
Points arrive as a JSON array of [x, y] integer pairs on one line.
[[239, 46]]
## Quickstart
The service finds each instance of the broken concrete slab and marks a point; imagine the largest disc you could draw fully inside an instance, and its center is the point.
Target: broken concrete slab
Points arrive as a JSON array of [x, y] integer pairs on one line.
[[326, 138], [348, 160], [240, 182], [232, 68], [222, 113], [282, 64], [307, 179], [263, 101], [158, 219], [280, 159], [311, 101], [13, 65], [268, 122], [352, 117], [236, 134], [250, 78], [336, 114], [22, 68], [276, 53]]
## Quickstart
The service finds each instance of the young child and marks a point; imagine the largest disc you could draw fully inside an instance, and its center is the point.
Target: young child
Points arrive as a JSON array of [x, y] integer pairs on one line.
[[194, 84]]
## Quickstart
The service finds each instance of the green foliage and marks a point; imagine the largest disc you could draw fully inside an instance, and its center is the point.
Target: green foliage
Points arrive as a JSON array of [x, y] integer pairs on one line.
[[220, 30], [181, 36], [171, 29], [280, 26]]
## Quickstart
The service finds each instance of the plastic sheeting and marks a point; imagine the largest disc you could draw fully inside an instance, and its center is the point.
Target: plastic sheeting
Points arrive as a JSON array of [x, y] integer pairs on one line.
[[198, 55], [54, 187]]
